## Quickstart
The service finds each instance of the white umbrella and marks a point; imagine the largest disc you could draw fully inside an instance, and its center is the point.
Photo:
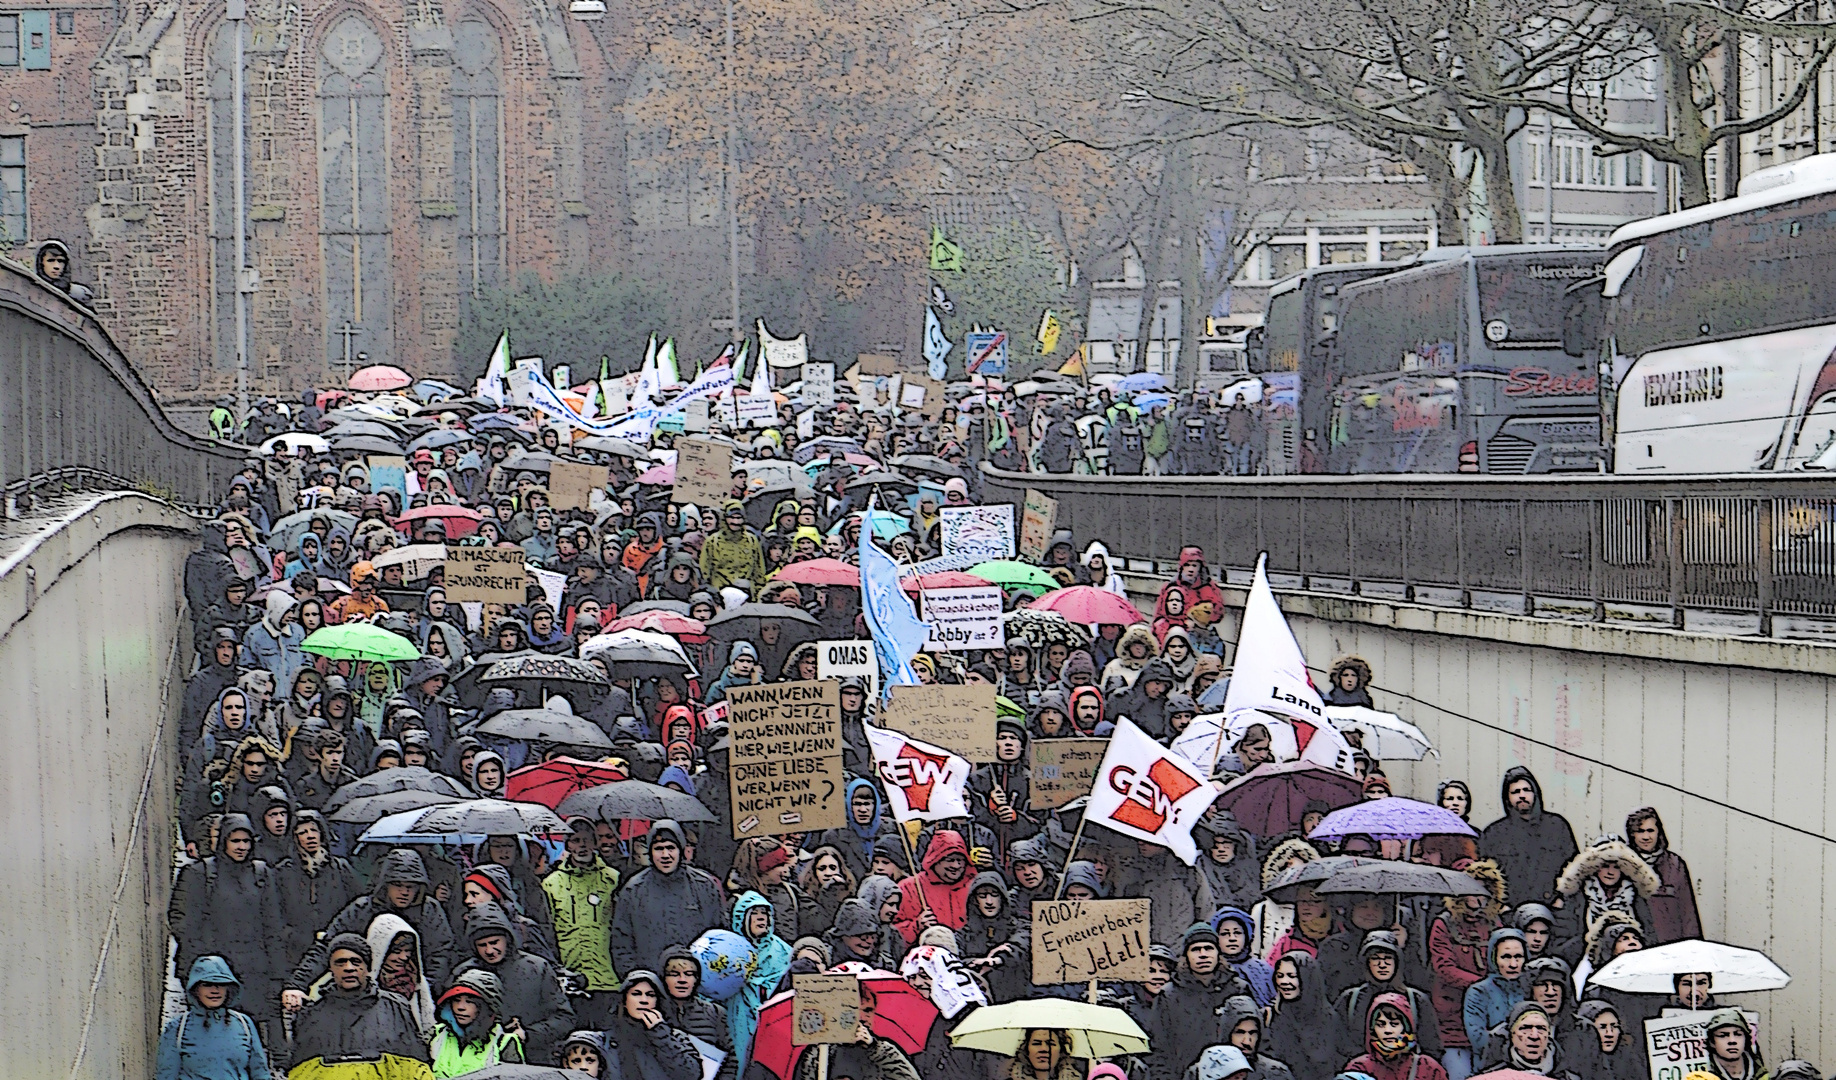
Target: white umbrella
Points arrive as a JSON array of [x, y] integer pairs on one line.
[[1387, 737], [291, 441], [1653, 971]]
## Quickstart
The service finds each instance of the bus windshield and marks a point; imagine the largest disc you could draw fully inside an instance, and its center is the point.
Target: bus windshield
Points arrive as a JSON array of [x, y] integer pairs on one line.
[[1520, 300], [1283, 332]]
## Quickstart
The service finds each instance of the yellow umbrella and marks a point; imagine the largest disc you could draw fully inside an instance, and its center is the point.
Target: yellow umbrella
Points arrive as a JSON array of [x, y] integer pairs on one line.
[[1097, 1031]]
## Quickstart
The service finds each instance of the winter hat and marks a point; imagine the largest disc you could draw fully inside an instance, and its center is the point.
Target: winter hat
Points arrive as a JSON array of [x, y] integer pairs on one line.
[[1220, 1062], [813, 944], [1197, 934], [479, 984], [940, 936], [854, 918], [350, 943]]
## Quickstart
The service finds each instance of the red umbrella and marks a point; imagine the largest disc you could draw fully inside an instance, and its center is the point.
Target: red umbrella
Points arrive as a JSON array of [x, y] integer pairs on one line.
[[556, 779], [820, 572], [461, 521], [1088, 604], [662, 474], [948, 579], [1270, 799], [901, 1014], [661, 622], [380, 377]]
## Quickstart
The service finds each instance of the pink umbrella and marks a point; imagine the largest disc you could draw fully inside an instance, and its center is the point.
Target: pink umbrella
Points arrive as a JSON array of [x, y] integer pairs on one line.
[[460, 521], [661, 622], [380, 377], [819, 572], [1088, 604], [1270, 799], [948, 579], [662, 474], [901, 1014]]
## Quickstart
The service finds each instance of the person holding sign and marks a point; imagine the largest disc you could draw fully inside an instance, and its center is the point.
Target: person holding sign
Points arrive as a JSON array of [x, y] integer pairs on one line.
[[869, 1057]]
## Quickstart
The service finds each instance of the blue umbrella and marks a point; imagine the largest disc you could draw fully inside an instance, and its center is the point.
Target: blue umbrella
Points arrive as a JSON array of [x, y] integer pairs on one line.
[[1140, 381], [1144, 402], [435, 390], [886, 525]]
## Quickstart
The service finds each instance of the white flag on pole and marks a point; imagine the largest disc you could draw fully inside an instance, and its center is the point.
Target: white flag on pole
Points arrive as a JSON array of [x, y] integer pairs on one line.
[[922, 782], [1144, 791]]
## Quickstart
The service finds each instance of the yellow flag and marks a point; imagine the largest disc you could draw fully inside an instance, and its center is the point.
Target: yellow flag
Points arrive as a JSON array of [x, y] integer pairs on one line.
[[1075, 366], [1049, 329]]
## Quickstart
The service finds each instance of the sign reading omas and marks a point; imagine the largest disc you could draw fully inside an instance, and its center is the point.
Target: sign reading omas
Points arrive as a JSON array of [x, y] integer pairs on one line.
[[785, 768]]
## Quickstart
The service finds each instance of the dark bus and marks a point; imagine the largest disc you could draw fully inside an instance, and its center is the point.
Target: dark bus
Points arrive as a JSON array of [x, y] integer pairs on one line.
[[1455, 363], [1289, 352]]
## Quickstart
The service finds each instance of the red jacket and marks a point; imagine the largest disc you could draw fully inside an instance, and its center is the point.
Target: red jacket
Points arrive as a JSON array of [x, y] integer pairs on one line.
[[1413, 1065], [949, 903], [1456, 967]]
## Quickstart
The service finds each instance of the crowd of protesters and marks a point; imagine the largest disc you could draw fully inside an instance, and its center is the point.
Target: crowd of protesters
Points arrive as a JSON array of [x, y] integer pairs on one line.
[[299, 947]]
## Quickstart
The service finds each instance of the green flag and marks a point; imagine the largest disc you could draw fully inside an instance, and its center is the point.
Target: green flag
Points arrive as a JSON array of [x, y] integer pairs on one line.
[[944, 254]]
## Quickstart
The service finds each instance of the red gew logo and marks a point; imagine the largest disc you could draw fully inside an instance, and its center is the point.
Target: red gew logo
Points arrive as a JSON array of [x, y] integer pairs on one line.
[[1150, 797], [916, 773]]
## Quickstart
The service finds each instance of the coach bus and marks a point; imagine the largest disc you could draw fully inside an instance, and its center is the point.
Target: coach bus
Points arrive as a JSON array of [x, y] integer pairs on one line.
[[1455, 363], [1288, 351], [1719, 325]]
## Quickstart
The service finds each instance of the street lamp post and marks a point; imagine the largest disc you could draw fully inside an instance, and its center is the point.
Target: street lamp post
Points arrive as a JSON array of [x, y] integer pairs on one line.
[[237, 12], [732, 183]]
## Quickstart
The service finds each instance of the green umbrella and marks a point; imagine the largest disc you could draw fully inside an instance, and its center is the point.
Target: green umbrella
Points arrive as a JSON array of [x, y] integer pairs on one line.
[[359, 641], [1010, 575]]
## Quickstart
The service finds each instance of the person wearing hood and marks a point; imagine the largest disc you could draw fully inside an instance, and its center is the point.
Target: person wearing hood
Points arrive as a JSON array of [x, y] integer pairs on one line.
[[1299, 1019], [856, 935], [352, 1016], [274, 641], [586, 1052], [228, 905], [1145, 702], [210, 1040], [226, 724], [328, 772], [424, 685], [1528, 1044], [1457, 943], [315, 885], [1598, 1047], [217, 673], [762, 865], [1236, 938], [1531, 845], [732, 552], [753, 920], [1489, 1001], [742, 670], [401, 889], [1273, 918], [1240, 1025], [1381, 959], [486, 776], [1001, 791], [1134, 650], [861, 838], [1617, 934], [580, 893], [1051, 716], [1670, 910], [1391, 1048], [1228, 859], [1180, 1026], [1100, 570], [1177, 652], [881, 895], [995, 942], [492, 884], [641, 1043], [1606, 877], [273, 820], [667, 902], [938, 895], [685, 1008], [508, 852], [1350, 679], [396, 966], [469, 1035], [530, 985]]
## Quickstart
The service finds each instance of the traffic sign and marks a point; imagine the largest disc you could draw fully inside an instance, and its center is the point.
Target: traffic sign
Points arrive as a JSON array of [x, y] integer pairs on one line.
[[988, 353]]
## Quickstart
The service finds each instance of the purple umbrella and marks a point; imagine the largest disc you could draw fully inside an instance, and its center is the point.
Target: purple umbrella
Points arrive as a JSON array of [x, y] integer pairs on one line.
[[1390, 819], [1270, 799]]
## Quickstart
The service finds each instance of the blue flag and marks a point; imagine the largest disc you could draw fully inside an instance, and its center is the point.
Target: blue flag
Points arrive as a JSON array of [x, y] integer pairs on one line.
[[936, 346], [895, 628]]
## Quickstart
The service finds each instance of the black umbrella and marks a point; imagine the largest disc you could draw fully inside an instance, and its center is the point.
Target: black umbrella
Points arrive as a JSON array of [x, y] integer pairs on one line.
[[361, 427], [491, 817], [633, 800], [676, 607], [1285, 887], [408, 778], [883, 479], [366, 444], [434, 440], [1400, 879], [536, 462], [742, 623], [546, 725], [533, 671], [824, 444], [925, 463], [370, 809]]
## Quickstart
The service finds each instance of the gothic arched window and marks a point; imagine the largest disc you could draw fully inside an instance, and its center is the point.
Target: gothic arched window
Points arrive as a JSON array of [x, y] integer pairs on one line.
[[477, 162], [354, 185]]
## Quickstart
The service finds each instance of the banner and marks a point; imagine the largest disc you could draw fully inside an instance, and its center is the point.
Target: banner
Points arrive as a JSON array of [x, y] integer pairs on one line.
[[785, 773], [757, 407], [1145, 792], [982, 532], [922, 782], [964, 618], [1038, 513], [783, 352]]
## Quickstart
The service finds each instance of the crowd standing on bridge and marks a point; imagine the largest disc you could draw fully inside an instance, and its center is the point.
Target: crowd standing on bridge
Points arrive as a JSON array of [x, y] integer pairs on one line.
[[632, 946]]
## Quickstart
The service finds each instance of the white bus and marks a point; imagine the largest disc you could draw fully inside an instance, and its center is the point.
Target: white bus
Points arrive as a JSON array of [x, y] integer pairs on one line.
[[1720, 325]]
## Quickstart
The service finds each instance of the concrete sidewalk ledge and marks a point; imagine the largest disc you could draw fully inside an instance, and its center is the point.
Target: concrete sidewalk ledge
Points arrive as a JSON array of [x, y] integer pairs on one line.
[[38, 549]]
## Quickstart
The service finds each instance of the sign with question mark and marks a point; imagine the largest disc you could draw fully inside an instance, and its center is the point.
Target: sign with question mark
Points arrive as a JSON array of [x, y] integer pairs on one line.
[[786, 772]]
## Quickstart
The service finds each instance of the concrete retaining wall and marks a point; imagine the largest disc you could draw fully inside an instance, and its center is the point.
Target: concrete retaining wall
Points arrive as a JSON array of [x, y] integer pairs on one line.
[[1729, 739], [91, 603]]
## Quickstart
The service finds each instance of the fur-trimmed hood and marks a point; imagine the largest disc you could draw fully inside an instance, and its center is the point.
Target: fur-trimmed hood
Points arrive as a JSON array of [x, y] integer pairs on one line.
[[1609, 924], [1599, 854], [1487, 873], [1291, 848]]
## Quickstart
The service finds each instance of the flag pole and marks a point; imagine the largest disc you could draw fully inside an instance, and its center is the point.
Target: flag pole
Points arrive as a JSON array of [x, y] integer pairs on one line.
[[1071, 856], [911, 860]]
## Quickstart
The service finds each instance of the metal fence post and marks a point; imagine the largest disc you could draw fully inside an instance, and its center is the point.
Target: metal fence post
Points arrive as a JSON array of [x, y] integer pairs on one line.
[[1408, 530], [1596, 557], [1674, 548], [1523, 556], [1351, 550], [1459, 530], [1762, 564]]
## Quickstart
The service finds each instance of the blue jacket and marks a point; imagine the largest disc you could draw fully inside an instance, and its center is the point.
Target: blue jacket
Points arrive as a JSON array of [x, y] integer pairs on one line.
[[211, 1044], [1488, 1002]]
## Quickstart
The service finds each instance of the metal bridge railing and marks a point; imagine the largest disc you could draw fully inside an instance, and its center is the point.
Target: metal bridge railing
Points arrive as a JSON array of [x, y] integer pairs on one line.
[[75, 415], [1569, 546]]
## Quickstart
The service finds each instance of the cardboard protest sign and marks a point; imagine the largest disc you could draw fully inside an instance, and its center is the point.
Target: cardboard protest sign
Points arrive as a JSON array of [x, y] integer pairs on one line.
[[979, 532], [571, 485], [827, 1008], [819, 385], [848, 657], [1063, 770], [871, 364], [704, 473], [1037, 516], [1676, 1044], [964, 619], [786, 774], [489, 575], [960, 719], [1075, 941], [922, 395]]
